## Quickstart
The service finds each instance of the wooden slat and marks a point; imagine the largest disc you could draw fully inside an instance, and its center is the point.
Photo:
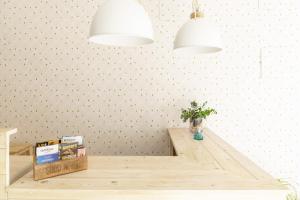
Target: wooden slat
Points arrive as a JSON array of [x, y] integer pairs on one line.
[[2, 140], [3, 137], [202, 155], [227, 162], [179, 143], [247, 164], [150, 195], [3, 193], [4, 152], [3, 144], [2, 161], [4, 158]]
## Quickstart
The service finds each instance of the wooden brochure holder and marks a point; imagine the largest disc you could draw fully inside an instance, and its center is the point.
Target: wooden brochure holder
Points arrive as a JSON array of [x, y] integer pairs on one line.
[[57, 168]]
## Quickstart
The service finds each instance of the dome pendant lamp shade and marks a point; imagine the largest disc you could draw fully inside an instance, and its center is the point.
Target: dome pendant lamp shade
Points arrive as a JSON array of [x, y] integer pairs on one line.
[[121, 23], [197, 36]]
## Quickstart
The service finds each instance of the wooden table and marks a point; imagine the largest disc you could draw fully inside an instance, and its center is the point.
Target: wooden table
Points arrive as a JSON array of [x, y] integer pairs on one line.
[[209, 170]]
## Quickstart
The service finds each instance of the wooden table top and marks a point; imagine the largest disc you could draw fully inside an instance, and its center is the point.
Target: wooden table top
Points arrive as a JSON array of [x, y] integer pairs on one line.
[[210, 164]]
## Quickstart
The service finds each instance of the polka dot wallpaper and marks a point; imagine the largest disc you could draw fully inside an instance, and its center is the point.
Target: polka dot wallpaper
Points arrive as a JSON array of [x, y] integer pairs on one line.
[[54, 82]]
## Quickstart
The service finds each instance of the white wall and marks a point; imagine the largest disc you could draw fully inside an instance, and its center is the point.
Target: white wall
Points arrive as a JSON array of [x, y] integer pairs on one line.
[[53, 82]]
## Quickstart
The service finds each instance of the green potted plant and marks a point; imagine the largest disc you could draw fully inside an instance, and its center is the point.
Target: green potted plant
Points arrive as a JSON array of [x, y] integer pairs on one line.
[[292, 194], [196, 114]]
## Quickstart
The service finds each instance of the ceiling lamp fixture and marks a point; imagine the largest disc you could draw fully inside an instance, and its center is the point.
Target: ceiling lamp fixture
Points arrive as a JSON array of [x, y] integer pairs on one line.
[[121, 23], [197, 35]]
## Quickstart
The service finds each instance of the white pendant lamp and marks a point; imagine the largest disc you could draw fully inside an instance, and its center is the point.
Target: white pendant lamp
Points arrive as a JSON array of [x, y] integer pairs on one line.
[[121, 23], [197, 35]]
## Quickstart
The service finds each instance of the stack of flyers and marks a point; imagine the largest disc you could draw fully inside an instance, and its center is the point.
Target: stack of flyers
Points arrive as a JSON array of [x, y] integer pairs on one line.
[[72, 139], [47, 154], [81, 152], [47, 143], [68, 150]]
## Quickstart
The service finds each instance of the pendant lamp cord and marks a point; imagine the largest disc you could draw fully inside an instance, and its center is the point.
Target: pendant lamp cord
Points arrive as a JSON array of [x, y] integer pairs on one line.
[[196, 10], [195, 6]]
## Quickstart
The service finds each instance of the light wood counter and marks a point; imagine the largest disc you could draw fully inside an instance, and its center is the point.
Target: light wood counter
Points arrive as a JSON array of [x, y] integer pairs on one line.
[[209, 169]]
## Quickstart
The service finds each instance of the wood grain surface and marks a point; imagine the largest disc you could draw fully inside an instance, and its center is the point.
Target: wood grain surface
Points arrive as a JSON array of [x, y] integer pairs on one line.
[[210, 168]]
